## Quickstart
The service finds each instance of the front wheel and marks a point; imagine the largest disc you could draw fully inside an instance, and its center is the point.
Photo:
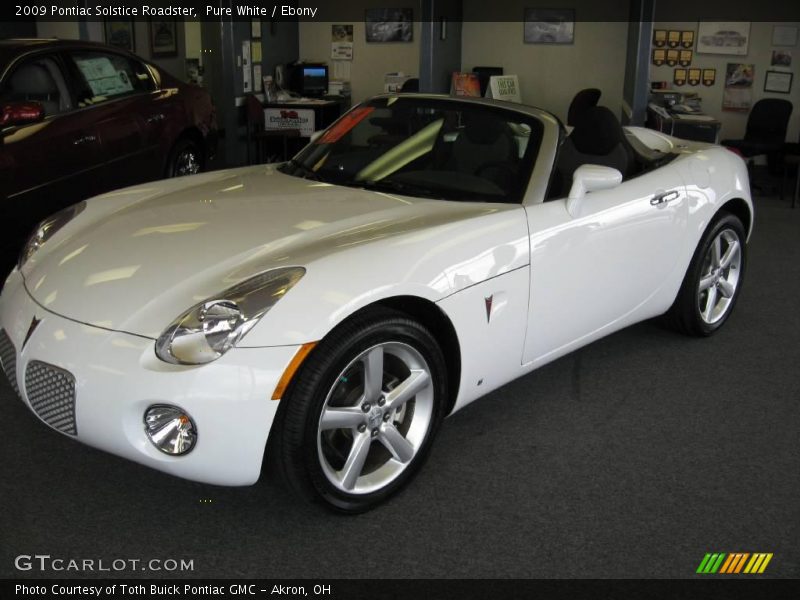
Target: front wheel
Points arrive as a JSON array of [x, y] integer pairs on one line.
[[361, 415], [714, 279]]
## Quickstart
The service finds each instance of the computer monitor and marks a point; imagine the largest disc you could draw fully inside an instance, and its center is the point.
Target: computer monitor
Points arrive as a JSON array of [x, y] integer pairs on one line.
[[484, 73], [313, 80]]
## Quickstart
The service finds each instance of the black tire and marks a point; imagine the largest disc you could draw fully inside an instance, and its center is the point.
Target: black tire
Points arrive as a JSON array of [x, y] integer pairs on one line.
[[296, 444], [686, 315], [185, 158]]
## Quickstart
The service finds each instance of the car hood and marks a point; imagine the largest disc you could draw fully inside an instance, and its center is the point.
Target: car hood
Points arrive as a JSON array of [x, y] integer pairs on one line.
[[137, 258]]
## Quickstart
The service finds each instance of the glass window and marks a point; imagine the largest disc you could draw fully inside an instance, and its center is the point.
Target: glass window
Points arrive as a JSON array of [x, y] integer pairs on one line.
[[106, 76], [39, 80], [427, 147]]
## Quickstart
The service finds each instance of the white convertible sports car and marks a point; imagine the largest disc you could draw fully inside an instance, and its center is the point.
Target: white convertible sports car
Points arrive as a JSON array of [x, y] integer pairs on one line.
[[327, 313]]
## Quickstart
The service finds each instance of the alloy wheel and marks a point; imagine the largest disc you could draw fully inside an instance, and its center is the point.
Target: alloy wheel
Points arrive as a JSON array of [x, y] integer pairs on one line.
[[375, 418]]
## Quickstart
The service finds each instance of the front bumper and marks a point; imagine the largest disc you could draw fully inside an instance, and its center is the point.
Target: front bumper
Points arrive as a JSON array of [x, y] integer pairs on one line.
[[117, 376]]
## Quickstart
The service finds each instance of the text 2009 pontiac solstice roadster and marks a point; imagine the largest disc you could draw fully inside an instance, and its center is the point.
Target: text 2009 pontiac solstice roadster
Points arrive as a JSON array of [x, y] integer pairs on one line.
[[420, 253]]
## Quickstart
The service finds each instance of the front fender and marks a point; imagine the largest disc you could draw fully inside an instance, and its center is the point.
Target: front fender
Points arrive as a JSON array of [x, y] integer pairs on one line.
[[432, 264]]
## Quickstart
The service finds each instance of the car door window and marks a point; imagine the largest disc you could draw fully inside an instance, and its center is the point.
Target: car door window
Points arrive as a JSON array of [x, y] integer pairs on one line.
[[106, 76], [38, 79]]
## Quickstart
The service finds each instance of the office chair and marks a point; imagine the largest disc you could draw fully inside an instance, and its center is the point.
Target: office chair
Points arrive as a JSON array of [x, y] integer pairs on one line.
[[791, 156], [583, 100], [765, 133]]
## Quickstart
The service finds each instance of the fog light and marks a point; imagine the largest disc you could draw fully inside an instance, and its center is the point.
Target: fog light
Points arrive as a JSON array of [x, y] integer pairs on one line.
[[170, 429]]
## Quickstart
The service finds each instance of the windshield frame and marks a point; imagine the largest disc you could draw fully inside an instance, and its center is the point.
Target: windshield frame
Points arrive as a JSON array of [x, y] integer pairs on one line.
[[301, 164]]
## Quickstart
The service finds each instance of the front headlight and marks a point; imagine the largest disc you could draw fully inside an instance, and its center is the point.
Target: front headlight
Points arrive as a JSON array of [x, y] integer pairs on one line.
[[209, 329], [47, 229]]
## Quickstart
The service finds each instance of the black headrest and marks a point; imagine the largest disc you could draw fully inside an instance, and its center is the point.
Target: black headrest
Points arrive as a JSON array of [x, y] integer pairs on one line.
[[483, 129], [34, 80], [582, 101], [597, 131], [410, 85]]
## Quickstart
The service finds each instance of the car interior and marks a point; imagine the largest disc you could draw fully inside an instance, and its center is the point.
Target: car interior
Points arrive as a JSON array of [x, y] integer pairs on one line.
[[598, 138], [460, 153], [39, 80]]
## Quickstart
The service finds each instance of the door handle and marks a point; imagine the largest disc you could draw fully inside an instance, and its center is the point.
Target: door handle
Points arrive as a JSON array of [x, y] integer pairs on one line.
[[155, 118], [85, 139], [664, 198]]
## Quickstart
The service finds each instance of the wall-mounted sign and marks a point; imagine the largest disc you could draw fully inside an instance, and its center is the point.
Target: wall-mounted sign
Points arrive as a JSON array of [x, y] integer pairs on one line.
[[659, 57], [694, 76], [685, 58], [778, 81], [659, 38], [709, 77], [687, 39], [738, 92], [674, 39], [679, 77], [672, 57]]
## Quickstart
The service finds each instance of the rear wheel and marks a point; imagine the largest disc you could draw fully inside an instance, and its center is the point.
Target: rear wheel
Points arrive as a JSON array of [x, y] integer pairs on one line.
[[362, 412], [712, 283]]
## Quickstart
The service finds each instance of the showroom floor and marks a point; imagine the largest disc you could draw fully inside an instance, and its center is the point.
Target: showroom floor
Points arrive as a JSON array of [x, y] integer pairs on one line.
[[630, 458]]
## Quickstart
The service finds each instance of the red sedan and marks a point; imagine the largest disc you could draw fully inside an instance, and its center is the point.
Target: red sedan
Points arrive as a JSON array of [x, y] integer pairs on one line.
[[81, 118]]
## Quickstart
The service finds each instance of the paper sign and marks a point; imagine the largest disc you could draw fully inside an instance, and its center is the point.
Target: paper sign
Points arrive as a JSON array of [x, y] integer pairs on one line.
[[504, 87], [301, 119]]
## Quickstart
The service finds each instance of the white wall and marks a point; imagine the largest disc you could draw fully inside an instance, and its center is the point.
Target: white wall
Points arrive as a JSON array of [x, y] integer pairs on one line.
[[551, 74], [65, 30], [759, 54], [370, 61], [193, 38]]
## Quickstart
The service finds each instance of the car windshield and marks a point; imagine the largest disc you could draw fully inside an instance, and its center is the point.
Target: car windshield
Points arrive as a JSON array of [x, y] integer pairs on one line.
[[430, 148]]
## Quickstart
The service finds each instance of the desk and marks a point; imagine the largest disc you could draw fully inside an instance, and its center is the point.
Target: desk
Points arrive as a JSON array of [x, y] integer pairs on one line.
[[697, 127], [306, 116]]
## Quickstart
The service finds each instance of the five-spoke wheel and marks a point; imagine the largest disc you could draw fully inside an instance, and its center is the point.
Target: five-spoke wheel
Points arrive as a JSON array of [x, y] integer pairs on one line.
[[713, 280], [375, 418], [361, 413], [720, 278]]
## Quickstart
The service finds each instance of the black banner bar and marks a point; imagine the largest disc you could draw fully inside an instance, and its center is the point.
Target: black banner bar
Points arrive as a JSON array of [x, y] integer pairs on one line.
[[354, 10], [705, 587]]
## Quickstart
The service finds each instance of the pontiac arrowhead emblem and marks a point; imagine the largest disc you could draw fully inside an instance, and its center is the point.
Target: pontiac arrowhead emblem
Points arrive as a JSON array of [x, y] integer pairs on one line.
[[31, 328], [488, 302]]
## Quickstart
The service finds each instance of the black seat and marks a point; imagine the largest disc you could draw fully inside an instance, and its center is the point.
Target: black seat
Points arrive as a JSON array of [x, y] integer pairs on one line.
[[33, 82], [583, 101], [485, 147], [765, 135], [766, 128], [410, 86], [791, 158], [597, 139]]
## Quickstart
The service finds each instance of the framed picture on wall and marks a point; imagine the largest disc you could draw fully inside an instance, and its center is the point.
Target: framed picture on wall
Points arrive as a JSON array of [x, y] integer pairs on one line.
[[549, 26], [784, 35], [778, 81], [119, 33], [389, 25], [163, 38], [718, 37]]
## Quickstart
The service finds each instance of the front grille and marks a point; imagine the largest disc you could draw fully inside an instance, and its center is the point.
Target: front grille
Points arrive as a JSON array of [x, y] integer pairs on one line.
[[8, 359], [51, 393]]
